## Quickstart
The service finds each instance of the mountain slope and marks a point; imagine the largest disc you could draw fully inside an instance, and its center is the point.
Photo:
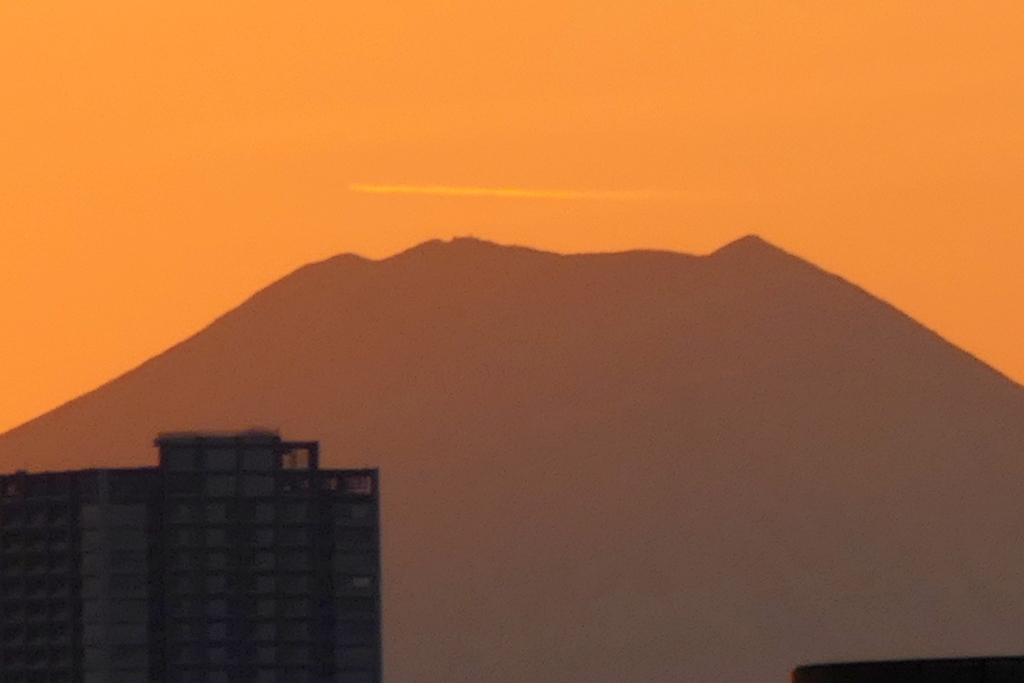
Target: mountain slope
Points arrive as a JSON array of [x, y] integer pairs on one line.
[[641, 465]]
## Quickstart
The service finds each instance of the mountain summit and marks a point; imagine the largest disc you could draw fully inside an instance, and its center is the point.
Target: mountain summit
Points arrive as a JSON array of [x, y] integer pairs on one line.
[[639, 466]]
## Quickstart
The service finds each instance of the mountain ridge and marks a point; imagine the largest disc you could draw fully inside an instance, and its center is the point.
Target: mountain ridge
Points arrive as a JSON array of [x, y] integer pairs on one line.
[[639, 464], [746, 254], [342, 263]]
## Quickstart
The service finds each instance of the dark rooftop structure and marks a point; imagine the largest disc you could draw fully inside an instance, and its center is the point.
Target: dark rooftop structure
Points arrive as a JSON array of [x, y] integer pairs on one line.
[[235, 559], [960, 670]]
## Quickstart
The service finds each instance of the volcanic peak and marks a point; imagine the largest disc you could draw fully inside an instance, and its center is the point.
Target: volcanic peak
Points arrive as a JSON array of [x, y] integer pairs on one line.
[[747, 248]]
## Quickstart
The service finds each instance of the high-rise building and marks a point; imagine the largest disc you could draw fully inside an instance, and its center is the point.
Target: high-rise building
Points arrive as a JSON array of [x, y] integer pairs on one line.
[[235, 559]]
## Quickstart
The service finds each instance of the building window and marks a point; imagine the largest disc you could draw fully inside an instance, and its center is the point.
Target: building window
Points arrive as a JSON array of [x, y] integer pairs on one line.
[[185, 632], [94, 540], [353, 513], [264, 538], [186, 655], [295, 513], [264, 561], [183, 514], [216, 513], [358, 484], [295, 536], [264, 584], [355, 657], [178, 459], [128, 585], [93, 563], [353, 563], [296, 460], [184, 608], [295, 562], [217, 609], [216, 584], [219, 460], [295, 609], [183, 562], [296, 654], [266, 655], [129, 561], [182, 484], [296, 585], [128, 539], [184, 537], [266, 608], [216, 538], [295, 630], [223, 485], [264, 513], [257, 485], [130, 657], [217, 631], [357, 605], [265, 631], [91, 516], [258, 460], [294, 484], [10, 517], [125, 515], [216, 561], [353, 536]]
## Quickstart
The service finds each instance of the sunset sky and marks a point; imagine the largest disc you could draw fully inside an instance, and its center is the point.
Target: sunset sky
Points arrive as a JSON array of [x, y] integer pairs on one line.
[[160, 161]]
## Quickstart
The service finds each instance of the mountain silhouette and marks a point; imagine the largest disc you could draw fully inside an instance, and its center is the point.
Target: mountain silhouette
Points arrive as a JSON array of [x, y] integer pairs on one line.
[[639, 466]]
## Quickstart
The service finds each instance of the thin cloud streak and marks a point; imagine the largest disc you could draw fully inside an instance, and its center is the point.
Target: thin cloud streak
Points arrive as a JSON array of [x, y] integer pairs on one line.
[[504, 192]]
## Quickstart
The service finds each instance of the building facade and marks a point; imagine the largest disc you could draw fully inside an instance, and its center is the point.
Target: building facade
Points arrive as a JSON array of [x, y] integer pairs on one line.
[[237, 558]]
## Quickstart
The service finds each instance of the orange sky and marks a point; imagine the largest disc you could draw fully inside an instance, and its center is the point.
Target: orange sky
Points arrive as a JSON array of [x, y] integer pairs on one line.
[[159, 161]]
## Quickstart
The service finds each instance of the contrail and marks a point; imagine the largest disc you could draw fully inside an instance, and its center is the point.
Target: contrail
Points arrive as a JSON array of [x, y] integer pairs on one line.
[[504, 192]]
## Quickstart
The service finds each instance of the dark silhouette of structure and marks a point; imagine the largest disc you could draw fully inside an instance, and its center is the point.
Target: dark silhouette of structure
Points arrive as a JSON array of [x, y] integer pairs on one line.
[[960, 670], [236, 559]]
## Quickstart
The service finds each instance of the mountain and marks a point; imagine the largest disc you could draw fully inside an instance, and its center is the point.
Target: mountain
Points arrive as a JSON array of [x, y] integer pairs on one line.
[[639, 466]]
